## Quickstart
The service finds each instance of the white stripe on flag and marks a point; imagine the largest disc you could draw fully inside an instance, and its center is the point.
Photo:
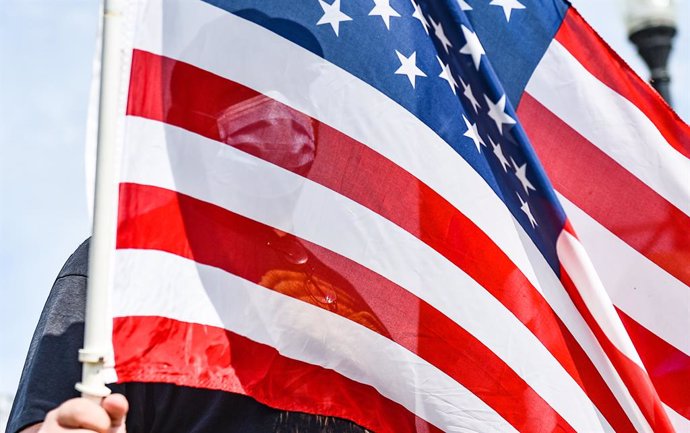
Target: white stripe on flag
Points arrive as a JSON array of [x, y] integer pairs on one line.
[[564, 86], [577, 264]]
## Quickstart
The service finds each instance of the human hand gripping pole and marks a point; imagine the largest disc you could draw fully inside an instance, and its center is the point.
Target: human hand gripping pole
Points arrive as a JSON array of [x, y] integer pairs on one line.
[[84, 416]]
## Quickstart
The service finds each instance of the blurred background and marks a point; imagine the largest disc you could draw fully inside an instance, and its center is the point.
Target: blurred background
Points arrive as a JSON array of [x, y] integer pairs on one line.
[[46, 58]]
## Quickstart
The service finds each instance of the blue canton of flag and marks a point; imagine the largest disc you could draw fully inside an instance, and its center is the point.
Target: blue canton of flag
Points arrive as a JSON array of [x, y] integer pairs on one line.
[[428, 58]]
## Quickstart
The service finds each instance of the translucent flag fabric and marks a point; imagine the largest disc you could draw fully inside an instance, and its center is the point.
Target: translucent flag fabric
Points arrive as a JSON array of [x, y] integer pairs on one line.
[[419, 216]]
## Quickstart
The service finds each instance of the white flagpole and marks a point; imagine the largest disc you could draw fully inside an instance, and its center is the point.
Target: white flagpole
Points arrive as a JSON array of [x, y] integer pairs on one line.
[[98, 323]]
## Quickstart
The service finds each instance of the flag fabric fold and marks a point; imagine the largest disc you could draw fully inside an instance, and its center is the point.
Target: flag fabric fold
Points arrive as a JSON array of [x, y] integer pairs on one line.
[[416, 215]]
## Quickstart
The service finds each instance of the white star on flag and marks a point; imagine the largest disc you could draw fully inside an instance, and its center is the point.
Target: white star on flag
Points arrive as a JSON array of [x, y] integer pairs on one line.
[[508, 6], [473, 134], [498, 151], [467, 92], [521, 174], [473, 47], [420, 16], [498, 113], [408, 67], [447, 75], [332, 15], [384, 10], [440, 34], [525, 208], [464, 5]]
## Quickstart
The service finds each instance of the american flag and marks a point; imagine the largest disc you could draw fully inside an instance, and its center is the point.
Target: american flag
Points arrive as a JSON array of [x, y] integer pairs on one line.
[[421, 216]]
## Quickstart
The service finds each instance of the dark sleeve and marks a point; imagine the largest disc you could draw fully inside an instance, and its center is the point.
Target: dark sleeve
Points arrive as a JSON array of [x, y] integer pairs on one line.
[[52, 368]]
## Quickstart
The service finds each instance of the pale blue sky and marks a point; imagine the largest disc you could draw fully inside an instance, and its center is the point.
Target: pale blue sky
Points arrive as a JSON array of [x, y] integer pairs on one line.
[[45, 69], [46, 49]]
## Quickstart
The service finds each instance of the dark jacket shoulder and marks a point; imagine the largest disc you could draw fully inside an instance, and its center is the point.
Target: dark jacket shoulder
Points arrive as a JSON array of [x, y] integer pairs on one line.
[[78, 263]]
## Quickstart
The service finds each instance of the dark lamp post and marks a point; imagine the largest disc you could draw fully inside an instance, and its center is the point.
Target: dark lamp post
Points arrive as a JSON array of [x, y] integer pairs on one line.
[[651, 27]]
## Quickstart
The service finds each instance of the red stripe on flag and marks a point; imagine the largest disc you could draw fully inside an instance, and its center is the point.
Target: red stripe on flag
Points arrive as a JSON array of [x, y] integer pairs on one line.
[[607, 66], [636, 380], [166, 90], [598, 185], [159, 219], [189, 354], [668, 367]]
